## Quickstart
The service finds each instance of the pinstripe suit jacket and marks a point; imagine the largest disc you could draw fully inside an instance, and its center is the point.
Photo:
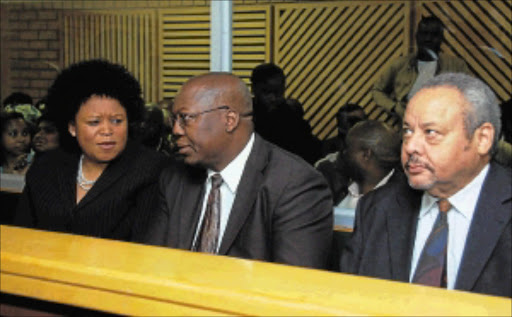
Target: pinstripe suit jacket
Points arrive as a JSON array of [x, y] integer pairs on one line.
[[116, 207]]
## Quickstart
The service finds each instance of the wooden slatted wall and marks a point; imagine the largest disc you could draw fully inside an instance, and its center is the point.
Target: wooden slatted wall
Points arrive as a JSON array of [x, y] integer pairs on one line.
[[184, 49], [127, 38], [332, 52], [479, 32], [185, 43]]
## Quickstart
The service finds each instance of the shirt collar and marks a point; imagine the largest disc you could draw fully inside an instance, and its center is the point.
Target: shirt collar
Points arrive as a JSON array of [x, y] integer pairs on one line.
[[353, 189], [464, 201], [232, 173]]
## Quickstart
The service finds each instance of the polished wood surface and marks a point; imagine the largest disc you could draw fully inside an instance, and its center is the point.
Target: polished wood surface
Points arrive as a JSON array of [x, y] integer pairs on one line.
[[133, 279]]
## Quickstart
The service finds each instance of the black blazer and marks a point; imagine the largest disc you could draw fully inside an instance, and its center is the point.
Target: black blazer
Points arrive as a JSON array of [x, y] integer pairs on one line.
[[116, 207], [282, 210], [385, 230]]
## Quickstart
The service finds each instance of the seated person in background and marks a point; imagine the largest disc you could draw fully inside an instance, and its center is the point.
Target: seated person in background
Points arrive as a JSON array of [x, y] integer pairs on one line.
[[278, 119], [46, 136], [15, 155], [22, 103], [346, 117], [504, 152], [506, 120], [372, 155], [450, 224], [98, 183], [333, 166], [398, 83], [151, 131], [234, 193]]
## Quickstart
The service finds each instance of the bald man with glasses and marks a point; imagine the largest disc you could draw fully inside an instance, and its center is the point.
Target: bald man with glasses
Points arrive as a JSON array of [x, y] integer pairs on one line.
[[234, 193]]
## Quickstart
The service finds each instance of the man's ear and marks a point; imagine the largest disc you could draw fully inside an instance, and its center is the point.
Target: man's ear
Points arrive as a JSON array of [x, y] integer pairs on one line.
[[484, 137], [232, 120], [72, 128]]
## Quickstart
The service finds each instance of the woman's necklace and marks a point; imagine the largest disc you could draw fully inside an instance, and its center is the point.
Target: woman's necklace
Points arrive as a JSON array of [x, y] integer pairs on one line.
[[83, 182]]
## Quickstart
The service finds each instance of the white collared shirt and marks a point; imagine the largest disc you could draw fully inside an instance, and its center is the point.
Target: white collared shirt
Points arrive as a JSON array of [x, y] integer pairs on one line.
[[231, 176], [426, 71], [459, 220], [354, 193], [345, 211]]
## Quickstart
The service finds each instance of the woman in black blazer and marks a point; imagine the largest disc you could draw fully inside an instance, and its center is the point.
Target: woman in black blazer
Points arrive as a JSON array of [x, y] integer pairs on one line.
[[98, 183]]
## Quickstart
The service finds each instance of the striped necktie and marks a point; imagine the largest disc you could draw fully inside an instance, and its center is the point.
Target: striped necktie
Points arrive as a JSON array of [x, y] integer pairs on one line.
[[431, 268], [208, 235]]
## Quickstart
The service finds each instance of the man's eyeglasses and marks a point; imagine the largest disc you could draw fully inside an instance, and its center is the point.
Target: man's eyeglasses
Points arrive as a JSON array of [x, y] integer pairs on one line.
[[184, 119]]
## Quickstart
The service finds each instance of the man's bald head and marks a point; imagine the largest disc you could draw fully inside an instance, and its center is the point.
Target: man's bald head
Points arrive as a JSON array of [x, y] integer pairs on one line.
[[220, 88]]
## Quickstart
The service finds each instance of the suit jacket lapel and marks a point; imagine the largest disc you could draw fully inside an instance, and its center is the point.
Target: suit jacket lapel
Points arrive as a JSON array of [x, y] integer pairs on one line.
[[402, 223], [487, 226], [247, 192], [66, 175], [115, 169], [191, 200]]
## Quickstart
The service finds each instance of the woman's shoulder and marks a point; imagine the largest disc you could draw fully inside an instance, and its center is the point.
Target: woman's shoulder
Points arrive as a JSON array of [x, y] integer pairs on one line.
[[51, 164], [54, 159]]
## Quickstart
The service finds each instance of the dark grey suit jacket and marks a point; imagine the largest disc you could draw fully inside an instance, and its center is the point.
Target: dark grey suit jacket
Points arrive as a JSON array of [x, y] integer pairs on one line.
[[282, 210], [385, 229]]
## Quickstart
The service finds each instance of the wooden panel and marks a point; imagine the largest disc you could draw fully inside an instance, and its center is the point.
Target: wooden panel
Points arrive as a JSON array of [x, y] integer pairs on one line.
[[185, 43], [126, 38], [332, 52], [132, 279], [479, 32]]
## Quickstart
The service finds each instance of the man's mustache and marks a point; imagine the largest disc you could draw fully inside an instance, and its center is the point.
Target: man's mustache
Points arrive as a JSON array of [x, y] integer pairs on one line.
[[415, 159]]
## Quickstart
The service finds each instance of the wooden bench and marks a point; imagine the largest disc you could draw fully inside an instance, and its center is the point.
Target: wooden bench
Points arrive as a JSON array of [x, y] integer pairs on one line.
[[131, 279]]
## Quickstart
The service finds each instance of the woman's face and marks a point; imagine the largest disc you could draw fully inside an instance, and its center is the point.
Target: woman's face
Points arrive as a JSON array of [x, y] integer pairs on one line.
[[46, 138], [16, 137], [101, 129]]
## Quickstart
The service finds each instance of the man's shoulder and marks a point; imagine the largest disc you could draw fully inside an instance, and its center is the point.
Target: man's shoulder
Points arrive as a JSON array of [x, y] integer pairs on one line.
[[277, 157], [450, 63], [498, 182], [178, 170], [404, 60], [448, 57], [388, 195], [281, 168]]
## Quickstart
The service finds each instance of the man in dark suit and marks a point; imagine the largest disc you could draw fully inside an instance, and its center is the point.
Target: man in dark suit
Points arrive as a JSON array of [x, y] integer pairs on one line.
[[451, 129], [273, 205]]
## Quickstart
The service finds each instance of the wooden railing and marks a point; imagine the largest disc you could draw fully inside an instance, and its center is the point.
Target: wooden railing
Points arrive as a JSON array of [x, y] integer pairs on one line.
[[131, 279]]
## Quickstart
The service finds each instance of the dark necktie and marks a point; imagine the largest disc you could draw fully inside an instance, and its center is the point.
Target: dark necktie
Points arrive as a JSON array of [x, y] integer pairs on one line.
[[208, 235], [431, 268]]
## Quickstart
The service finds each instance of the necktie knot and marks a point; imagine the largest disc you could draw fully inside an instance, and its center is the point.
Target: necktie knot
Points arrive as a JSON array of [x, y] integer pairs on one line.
[[444, 205], [216, 181]]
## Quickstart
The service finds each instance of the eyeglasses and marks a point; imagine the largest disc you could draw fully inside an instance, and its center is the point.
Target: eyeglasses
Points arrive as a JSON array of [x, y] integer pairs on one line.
[[184, 119]]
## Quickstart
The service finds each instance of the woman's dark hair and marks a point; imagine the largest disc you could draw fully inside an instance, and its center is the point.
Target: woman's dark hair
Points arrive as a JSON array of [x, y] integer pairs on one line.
[[5, 118], [79, 82]]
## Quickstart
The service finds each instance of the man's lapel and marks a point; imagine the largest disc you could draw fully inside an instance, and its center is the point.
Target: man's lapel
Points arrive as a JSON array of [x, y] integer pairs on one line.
[[190, 207], [402, 223], [247, 193], [489, 221]]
